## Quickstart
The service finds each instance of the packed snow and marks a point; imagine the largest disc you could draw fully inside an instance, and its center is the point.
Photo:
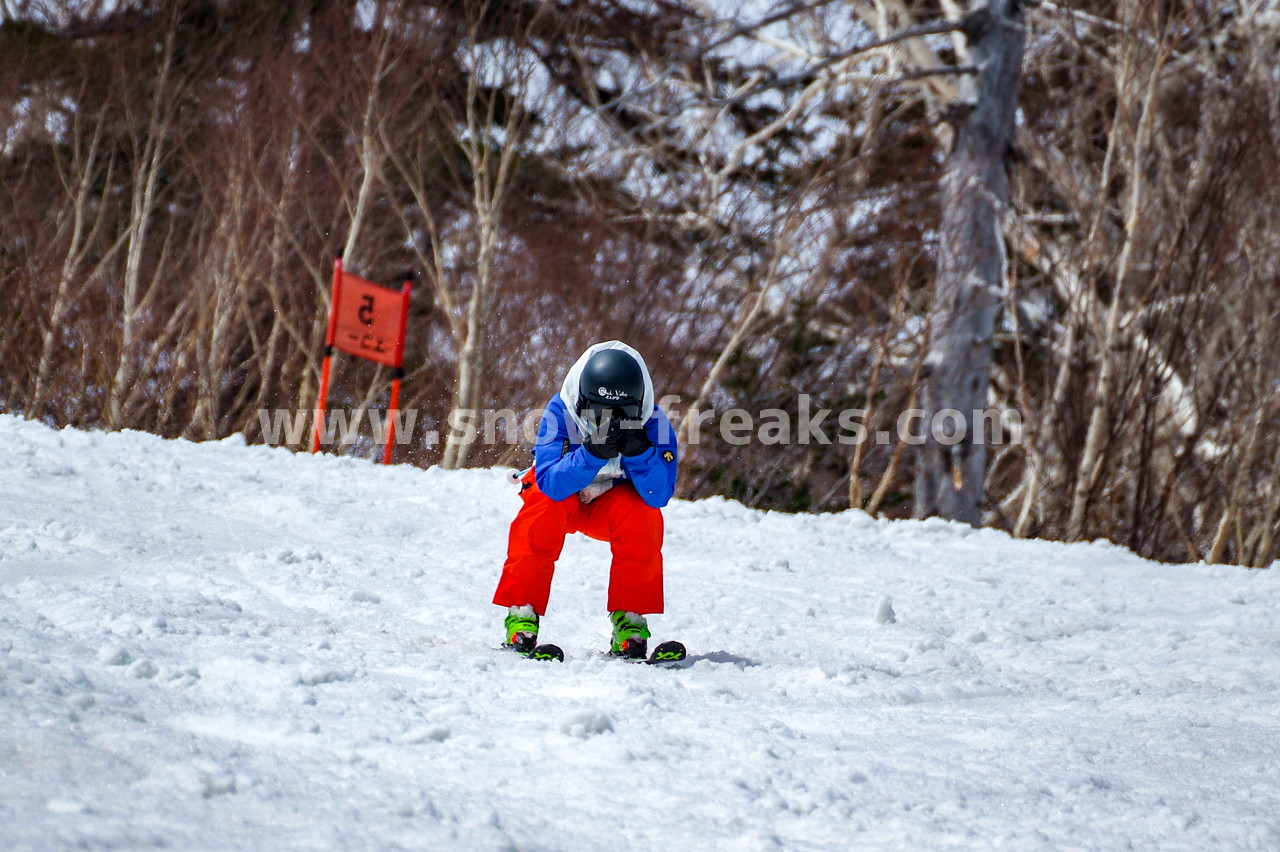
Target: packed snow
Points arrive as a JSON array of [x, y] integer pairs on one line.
[[222, 647]]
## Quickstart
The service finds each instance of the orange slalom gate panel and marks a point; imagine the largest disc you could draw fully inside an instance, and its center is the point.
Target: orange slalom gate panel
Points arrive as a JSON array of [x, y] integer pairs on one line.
[[367, 320]]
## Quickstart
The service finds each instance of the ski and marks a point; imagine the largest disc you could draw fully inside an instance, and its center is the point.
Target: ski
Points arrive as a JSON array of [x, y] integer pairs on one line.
[[667, 654]]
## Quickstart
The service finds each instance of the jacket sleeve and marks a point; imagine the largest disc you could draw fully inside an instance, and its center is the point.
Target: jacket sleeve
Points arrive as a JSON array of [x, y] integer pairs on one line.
[[653, 472], [561, 474]]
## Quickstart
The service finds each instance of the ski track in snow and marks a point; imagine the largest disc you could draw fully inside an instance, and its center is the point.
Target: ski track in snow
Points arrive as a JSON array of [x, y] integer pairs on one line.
[[214, 646]]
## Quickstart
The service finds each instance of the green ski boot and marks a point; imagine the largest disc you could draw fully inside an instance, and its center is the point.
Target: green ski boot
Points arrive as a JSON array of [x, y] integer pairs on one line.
[[521, 627], [630, 635]]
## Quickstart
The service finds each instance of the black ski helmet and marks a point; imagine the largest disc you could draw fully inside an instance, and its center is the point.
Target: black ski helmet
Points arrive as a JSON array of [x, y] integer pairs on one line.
[[612, 378]]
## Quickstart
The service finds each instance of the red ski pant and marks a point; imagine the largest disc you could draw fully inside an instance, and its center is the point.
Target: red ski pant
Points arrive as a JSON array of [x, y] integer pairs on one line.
[[632, 527]]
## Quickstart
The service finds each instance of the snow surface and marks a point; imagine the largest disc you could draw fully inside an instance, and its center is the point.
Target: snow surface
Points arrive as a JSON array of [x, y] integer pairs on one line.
[[214, 646]]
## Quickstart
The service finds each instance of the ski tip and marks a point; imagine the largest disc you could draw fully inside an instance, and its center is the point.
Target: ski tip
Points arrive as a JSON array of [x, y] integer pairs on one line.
[[547, 652], [667, 653]]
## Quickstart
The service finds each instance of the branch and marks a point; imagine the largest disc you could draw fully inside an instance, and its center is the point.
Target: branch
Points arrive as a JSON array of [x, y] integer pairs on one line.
[[747, 29], [969, 25], [934, 72], [1085, 17]]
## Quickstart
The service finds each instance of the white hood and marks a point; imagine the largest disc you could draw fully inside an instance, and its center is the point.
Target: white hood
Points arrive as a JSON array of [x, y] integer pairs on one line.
[[569, 395], [569, 390]]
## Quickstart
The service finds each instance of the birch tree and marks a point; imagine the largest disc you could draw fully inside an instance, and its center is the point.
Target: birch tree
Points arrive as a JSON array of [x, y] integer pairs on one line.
[[153, 127]]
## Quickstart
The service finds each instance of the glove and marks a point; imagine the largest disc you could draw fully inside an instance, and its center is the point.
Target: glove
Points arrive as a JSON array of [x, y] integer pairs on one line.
[[604, 440], [634, 441]]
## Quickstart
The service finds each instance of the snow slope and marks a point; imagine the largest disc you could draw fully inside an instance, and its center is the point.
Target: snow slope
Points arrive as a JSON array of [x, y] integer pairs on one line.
[[225, 647]]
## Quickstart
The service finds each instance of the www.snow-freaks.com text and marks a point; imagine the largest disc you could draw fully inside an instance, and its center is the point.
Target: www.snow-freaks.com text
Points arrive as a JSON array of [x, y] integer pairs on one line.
[[802, 424]]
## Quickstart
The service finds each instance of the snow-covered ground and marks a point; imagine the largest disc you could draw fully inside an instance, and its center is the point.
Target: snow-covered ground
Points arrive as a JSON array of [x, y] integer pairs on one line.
[[223, 647]]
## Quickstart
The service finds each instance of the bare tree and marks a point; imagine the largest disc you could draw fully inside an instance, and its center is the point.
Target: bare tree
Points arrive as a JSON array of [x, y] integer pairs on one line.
[[153, 125], [492, 146], [950, 474]]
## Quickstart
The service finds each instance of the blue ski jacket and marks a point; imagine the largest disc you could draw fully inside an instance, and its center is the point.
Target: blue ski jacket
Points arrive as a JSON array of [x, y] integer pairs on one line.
[[563, 466]]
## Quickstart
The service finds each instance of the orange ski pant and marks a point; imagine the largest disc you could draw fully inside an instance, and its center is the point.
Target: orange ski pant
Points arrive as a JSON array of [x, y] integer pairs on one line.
[[632, 527]]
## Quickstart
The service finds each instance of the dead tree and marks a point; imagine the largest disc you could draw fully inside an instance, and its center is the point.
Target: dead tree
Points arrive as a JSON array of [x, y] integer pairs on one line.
[[971, 262]]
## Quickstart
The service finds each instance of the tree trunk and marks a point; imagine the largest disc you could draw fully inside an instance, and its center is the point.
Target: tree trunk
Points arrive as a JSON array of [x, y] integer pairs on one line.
[[971, 262]]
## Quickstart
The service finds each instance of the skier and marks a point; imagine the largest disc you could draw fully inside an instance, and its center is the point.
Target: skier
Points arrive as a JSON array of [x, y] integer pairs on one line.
[[605, 465]]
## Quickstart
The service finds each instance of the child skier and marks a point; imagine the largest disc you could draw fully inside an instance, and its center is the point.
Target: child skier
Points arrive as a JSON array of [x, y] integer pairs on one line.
[[605, 465]]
